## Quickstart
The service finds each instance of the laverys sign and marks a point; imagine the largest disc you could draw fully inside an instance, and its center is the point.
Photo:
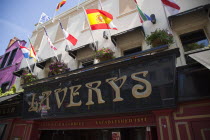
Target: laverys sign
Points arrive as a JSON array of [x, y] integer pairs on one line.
[[134, 85]]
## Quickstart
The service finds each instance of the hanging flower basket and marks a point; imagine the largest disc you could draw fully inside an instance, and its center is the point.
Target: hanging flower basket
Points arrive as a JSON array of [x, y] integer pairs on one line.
[[159, 37], [104, 54], [57, 68], [28, 77]]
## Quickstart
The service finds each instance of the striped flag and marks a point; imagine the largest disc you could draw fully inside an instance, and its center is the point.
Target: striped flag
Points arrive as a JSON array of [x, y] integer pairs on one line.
[[25, 51], [143, 17], [32, 53], [49, 41], [100, 19], [60, 4], [68, 37], [171, 6]]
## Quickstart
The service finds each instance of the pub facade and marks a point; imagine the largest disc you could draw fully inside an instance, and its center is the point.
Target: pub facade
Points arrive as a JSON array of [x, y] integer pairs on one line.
[[144, 93]]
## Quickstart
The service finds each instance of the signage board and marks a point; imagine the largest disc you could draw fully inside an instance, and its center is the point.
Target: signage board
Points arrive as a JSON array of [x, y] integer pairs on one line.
[[139, 84]]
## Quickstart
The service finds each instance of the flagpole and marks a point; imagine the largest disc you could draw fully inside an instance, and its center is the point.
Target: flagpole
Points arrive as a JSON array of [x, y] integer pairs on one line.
[[48, 41], [26, 60], [54, 16], [89, 26]]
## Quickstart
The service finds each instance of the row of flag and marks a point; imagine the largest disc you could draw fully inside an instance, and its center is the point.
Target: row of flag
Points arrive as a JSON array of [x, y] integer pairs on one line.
[[97, 19]]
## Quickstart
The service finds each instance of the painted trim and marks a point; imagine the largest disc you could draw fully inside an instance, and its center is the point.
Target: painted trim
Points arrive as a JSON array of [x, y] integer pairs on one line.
[[181, 112], [167, 125], [187, 129], [202, 133]]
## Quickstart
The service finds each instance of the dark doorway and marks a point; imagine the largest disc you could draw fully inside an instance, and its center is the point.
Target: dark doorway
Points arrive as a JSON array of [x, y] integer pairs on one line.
[[136, 133]]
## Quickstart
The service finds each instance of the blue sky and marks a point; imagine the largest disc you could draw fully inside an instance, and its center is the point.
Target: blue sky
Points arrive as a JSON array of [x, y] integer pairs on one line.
[[19, 17]]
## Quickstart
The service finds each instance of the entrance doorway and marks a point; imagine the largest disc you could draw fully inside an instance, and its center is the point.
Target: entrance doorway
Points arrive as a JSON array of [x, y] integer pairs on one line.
[[137, 133]]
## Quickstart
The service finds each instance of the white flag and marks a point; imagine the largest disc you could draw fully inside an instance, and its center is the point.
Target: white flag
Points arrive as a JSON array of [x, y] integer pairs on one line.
[[44, 18]]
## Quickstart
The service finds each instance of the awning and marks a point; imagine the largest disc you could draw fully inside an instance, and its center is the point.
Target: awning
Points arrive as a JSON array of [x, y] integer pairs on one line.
[[73, 52], [202, 57], [188, 12], [20, 71], [114, 37], [4, 98]]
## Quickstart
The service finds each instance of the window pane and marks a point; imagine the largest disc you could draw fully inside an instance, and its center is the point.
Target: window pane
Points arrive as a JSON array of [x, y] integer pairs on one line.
[[126, 6], [4, 60], [133, 50], [59, 34], [12, 56], [5, 87], [38, 40], [194, 40]]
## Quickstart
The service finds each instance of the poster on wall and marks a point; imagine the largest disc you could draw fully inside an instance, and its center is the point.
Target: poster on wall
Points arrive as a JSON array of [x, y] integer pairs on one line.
[[116, 136]]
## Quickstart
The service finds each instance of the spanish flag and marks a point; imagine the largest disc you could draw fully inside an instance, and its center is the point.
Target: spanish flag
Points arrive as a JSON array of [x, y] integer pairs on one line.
[[60, 4], [100, 19]]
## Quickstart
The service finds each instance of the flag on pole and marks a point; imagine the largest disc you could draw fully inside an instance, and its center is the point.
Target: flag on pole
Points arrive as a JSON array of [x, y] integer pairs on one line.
[[32, 53], [25, 51], [68, 37], [49, 41], [171, 6], [143, 17], [44, 18], [100, 19], [60, 4]]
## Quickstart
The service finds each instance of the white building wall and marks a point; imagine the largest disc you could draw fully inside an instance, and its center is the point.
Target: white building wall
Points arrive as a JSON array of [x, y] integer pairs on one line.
[[123, 22]]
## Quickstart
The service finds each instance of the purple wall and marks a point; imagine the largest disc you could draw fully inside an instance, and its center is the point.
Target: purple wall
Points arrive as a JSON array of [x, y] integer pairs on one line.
[[6, 73]]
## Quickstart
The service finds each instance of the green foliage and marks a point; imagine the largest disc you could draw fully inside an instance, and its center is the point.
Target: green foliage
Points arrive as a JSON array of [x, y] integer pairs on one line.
[[58, 68], [10, 92], [28, 77], [159, 37], [104, 53], [193, 46]]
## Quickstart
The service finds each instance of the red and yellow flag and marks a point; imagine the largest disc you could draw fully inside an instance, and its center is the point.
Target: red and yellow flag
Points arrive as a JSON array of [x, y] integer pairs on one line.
[[60, 4], [100, 19]]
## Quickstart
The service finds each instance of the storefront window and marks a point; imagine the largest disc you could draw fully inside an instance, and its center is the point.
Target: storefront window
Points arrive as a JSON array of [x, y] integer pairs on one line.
[[194, 40]]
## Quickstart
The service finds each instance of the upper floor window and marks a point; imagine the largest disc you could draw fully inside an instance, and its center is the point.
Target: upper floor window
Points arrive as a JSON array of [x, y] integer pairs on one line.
[[131, 51], [194, 40], [126, 6], [12, 56], [59, 34], [86, 63], [4, 60], [38, 40], [93, 5], [5, 87]]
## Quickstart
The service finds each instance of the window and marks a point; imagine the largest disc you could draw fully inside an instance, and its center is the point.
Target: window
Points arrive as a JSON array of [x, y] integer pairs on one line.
[[126, 6], [38, 40], [12, 56], [5, 87], [59, 34], [133, 50], [4, 60], [194, 40], [87, 63], [94, 5]]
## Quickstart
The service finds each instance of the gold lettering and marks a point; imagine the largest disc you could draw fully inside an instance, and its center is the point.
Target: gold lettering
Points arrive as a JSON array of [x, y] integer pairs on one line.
[[116, 88], [148, 88], [72, 94], [97, 90], [34, 106], [13, 109], [46, 95], [59, 102]]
